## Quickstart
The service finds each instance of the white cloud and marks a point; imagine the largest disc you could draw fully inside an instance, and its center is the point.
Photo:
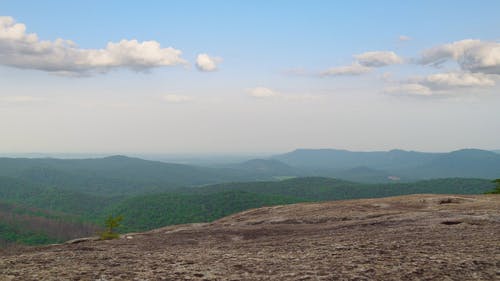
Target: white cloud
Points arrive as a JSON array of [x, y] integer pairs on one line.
[[25, 50], [206, 63], [404, 38], [409, 89], [262, 92], [442, 83], [353, 69], [365, 63], [454, 51], [479, 67], [177, 98], [471, 55], [378, 58], [484, 58], [452, 80]]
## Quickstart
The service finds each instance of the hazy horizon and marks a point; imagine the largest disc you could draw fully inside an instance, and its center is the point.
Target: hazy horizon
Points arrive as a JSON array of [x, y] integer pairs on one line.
[[208, 155], [259, 77]]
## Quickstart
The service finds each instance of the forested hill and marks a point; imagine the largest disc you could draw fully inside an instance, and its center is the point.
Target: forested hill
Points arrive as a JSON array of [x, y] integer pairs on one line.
[[201, 204], [120, 175], [36, 206], [325, 189], [33, 226], [152, 211]]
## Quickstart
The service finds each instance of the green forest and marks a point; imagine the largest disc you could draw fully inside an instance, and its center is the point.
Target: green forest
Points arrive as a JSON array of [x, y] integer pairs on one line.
[[45, 200], [35, 213]]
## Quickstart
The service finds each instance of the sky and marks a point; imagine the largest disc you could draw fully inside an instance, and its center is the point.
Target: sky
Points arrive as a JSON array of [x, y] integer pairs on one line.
[[248, 76]]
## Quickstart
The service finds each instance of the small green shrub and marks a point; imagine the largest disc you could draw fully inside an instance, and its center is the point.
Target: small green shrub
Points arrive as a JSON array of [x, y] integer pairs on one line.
[[111, 224], [105, 235]]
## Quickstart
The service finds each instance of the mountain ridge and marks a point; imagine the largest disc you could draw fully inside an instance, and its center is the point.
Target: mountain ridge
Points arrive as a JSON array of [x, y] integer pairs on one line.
[[119, 174], [407, 165]]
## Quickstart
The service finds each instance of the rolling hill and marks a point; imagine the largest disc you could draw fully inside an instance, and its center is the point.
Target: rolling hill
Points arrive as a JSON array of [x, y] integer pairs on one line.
[[34, 226], [119, 175], [152, 211], [25, 193], [207, 203], [325, 189], [194, 204]]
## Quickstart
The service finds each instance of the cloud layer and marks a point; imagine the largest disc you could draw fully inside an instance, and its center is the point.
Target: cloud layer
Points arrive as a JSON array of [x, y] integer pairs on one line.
[[25, 50], [478, 67]]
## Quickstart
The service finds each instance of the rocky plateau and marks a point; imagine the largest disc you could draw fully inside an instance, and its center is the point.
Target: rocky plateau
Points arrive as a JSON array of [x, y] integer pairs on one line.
[[416, 237]]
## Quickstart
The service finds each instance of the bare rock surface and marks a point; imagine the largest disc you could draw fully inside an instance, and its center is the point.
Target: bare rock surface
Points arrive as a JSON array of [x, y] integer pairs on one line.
[[417, 237]]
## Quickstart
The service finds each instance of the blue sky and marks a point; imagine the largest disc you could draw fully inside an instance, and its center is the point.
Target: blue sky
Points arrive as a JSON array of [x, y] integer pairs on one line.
[[277, 75]]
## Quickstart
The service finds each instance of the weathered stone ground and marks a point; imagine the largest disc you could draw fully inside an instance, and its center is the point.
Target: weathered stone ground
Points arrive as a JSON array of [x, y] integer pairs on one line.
[[418, 237]]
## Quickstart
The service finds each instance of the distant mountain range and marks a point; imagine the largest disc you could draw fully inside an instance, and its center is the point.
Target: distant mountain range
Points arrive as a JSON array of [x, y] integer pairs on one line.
[[117, 175], [406, 165], [344, 159]]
